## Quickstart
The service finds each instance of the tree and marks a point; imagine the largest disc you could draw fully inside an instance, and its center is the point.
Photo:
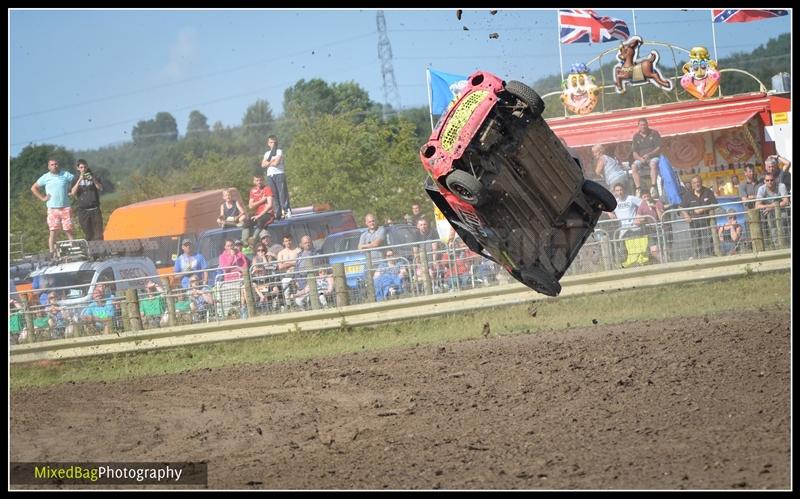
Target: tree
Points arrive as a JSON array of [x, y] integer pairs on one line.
[[368, 167], [258, 118], [198, 123], [163, 128], [31, 163]]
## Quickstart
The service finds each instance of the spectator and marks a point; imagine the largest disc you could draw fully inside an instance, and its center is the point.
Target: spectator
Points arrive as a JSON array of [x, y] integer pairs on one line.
[[56, 319], [749, 188], [100, 311], [389, 278], [276, 177], [649, 216], [416, 214], [699, 219], [373, 237], [646, 148], [56, 185], [190, 262], [16, 322], [151, 305], [779, 167], [730, 234], [232, 261], [261, 202], [200, 298], [87, 191], [772, 189], [272, 249], [305, 261], [324, 290], [231, 212], [263, 268], [625, 212], [287, 261], [611, 170], [457, 273]]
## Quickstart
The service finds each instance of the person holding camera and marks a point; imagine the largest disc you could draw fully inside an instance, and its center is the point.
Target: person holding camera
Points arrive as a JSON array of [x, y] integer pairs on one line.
[[87, 191]]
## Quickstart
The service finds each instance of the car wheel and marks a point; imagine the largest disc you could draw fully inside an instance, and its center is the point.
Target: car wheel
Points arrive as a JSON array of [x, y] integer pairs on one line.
[[466, 187], [527, 95], [600, 194]]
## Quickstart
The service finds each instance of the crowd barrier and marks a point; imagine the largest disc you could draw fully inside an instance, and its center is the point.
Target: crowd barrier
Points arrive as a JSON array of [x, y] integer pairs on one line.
[[413, 269]]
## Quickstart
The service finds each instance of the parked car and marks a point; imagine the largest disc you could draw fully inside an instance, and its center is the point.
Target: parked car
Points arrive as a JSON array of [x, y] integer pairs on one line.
[[507, 185], [355, 263]]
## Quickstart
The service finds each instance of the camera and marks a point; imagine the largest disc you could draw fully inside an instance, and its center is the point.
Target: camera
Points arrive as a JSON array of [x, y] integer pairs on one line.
[[87, 175]]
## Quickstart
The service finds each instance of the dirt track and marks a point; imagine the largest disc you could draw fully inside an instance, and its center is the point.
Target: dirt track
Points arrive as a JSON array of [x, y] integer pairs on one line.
[[699, 404]]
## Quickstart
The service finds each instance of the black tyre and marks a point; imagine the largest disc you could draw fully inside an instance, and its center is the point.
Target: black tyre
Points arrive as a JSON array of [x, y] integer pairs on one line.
[[527, 95], [599, 194], [466, 187]]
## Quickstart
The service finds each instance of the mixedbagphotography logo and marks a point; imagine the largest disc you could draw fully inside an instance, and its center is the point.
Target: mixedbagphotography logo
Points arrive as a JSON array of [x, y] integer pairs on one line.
[[150, 473]]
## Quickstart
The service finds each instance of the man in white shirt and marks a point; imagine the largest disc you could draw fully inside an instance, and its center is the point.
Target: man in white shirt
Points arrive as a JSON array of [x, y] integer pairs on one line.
[[626, 209]]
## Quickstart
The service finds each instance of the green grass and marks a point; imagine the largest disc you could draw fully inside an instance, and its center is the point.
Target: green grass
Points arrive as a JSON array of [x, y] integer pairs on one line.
[[741, 293]]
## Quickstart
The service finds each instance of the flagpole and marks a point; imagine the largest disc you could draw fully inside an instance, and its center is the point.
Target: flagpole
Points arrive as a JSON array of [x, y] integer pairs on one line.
[[560, 57], [430, 96], [636, 32], [714, 41]]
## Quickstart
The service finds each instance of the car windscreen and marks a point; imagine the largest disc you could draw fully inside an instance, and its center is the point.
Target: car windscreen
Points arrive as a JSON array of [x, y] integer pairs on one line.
[[72, 284], [339, 244]]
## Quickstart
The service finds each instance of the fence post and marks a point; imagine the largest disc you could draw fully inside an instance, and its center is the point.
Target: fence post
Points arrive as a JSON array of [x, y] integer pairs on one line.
[[248, 292], [170, 300], [126, 312], [781, 240], [26, 312], [340, 285], [312, 286], [426, 275], [754, 226], [132, 301], [606, 253], [715, 239], [368, 282]]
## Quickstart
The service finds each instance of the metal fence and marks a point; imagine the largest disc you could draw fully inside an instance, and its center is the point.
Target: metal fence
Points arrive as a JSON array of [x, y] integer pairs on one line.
[[388, 273]]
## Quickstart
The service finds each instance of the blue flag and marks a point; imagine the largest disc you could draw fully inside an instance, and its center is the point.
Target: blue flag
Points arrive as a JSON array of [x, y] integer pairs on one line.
[[444, 88]]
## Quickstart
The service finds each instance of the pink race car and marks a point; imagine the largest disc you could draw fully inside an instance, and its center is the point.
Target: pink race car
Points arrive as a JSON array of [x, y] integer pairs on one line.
[[508, 186]]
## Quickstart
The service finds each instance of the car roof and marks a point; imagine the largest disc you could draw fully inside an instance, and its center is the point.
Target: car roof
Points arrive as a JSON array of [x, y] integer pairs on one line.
[[59, 268]]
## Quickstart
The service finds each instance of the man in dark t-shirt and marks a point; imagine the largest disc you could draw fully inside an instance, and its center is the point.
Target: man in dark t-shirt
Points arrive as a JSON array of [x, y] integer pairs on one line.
[[699, 219], [87, 191], [646, 149]]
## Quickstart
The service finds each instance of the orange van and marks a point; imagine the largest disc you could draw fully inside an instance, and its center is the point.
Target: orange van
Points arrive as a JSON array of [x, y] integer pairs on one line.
[[167, 221]]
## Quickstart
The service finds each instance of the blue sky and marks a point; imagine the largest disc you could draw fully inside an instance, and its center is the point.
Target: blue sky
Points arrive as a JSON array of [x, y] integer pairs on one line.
[[83, 78]]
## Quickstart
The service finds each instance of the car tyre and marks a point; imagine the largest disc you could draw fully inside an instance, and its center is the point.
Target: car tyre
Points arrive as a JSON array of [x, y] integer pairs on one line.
[[466, 187], [600, 194], [527, 95]]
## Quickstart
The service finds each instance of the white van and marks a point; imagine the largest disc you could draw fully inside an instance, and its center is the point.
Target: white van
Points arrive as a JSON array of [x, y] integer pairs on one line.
[[75, 281]]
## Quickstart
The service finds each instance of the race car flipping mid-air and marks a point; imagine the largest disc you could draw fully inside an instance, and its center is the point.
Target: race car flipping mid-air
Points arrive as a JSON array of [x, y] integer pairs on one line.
[[508, 186]]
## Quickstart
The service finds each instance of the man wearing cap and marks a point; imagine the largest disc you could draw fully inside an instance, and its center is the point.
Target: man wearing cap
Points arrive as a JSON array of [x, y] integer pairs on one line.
[[272, 248], [187, 262]]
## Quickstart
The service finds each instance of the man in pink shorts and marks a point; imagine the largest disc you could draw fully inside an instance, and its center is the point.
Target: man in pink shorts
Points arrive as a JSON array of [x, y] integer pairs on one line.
[[56, 185]]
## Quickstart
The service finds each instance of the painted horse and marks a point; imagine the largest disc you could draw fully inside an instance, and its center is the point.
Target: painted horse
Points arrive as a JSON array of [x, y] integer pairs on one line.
[[628, 72]]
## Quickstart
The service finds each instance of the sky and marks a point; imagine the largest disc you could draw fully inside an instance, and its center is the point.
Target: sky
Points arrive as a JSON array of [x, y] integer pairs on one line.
[[82, 79]]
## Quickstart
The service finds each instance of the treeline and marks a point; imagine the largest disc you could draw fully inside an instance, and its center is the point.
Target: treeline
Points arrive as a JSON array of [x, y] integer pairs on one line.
[[339, 149]]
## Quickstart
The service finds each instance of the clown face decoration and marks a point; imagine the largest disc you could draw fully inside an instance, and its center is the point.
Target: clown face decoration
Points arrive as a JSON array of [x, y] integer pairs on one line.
[[580, 90], [700, 78]]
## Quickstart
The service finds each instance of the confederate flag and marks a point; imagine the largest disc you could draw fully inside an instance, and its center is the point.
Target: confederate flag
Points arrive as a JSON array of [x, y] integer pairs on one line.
[[746, 15]]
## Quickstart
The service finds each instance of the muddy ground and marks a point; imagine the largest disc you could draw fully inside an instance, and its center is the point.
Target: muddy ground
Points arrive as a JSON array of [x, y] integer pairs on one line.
[[701, 403]]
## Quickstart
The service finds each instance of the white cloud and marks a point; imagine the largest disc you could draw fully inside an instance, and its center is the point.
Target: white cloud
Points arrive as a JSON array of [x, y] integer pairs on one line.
[[181, 55]]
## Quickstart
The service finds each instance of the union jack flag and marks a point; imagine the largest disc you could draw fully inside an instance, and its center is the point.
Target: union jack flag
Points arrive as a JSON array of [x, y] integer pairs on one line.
[[585, 26], [746, 15]]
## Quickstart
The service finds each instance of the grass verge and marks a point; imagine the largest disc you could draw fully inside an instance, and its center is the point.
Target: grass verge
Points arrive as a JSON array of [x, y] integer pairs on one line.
[[740, 293]]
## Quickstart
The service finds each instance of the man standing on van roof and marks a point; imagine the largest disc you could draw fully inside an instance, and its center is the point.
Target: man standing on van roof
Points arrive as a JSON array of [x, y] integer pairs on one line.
[[87, 190], [56, 186], [276, 177], [188, 261]]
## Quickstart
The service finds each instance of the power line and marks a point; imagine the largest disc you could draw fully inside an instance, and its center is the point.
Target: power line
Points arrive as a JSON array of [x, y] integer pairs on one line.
[[187, 80]]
